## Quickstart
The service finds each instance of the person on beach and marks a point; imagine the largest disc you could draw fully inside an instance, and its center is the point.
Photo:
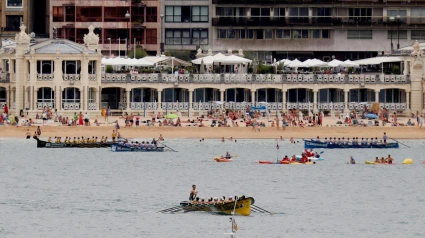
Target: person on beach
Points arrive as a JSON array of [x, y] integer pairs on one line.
[[385, 138], [193, 193], [38, 131], [114, 136], [160, 137], [28, 134], [106, 114], [80, 119]]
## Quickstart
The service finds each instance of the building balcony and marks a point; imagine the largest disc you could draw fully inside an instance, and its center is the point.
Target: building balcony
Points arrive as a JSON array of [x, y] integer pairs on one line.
[[249, 21], [320, 2]]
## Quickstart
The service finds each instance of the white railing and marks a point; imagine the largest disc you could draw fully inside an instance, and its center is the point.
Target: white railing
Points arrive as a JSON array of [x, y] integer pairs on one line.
[[395, 78], [175, 106], [143, 105], [331, 106], [92, 106], [41, 105], [206, 78], [71, 106], [92, 77], [71, 77], [45, 77], [144, 77]]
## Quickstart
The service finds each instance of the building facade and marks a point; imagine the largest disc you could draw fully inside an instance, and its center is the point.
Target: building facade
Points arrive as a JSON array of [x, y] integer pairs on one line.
[[121, 25], [13, 13], [68, 77]]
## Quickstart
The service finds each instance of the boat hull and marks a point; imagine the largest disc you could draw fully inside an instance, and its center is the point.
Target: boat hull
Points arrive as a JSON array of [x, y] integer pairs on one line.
[[45, 144], [243, 207], [222, 160], [308, 144], [118, 148]]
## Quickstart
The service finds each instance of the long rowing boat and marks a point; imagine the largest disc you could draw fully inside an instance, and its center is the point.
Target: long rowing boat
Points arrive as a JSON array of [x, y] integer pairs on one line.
[[311, 144], [243, 207], [45, 144], [119, 148]]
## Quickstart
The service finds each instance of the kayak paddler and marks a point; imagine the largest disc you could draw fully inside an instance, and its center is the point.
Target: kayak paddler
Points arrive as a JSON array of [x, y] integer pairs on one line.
[[352, 161], [227, 156]]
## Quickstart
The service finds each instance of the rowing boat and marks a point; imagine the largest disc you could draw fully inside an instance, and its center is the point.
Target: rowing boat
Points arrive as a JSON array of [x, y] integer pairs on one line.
[[372, 162], [119, 148], [310, 144], [243, 207], [45, 144], [282, 162], [218, 159]]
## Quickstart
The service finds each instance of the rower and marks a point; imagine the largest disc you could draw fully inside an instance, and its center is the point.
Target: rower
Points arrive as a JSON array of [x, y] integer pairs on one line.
[[377, 160], [228, 156], [294, 159], [317, 155], [318, 139], [389, 159], [193, 193], [352, 161], [286, 158]]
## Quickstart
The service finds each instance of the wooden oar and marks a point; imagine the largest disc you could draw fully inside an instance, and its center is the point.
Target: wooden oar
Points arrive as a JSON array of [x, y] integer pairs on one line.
[[170, 209], [256, 210], [167, 147], [271, 213], [399, 142]]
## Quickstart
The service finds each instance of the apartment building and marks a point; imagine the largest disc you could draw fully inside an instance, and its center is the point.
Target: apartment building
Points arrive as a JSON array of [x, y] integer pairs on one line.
[[345, 29], [187, 25], [121, 24], [13, 14]]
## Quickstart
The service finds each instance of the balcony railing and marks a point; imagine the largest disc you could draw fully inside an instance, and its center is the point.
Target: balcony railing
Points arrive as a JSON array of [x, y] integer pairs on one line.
[[257, 78], [45, 77], [319, 2], [71, 77]]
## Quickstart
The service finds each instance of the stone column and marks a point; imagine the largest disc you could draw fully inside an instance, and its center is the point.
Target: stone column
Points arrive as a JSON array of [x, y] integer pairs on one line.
[[190, 99], [20, 82], [100, 98], [284, 100], [346, 101], [128, 99], [222, 95], [253, 95], [159, 99], [31, 100], [408, 111], [84, 99], [315, 110], [34, 98], [377, 95], [59, 96]]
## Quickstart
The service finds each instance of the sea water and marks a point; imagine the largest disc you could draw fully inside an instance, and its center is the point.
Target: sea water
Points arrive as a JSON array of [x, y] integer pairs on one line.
[[99, 193]]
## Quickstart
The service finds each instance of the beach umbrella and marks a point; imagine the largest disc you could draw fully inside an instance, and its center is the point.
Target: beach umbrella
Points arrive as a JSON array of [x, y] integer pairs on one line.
[[371, 116], [316, 63], [202, 70], [171, 116], [335, 63], [349, 63], [296, 63]]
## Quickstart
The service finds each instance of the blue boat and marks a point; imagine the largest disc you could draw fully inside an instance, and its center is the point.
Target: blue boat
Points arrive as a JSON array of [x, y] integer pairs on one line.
[[119, 148], [311, 144]]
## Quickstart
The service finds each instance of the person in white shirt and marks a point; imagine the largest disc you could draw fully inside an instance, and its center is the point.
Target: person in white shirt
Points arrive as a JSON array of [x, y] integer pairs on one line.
[[86, 119]]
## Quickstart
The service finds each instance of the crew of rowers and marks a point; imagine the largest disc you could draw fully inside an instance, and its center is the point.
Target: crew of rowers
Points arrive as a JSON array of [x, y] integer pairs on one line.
[[354, 141], [214, 201], [79, 140], [388, 160], [304, 159], [137, 145]]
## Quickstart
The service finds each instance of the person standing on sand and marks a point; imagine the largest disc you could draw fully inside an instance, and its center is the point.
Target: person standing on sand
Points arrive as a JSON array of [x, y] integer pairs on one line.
[[28, 134], [38, 131], [106, 114]]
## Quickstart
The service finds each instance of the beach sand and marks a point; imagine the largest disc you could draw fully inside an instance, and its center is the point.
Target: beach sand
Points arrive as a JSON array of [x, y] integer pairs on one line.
[[242, 132]]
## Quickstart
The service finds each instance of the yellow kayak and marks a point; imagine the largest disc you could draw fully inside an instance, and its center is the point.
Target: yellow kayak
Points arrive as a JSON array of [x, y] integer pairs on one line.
[[369, 162]]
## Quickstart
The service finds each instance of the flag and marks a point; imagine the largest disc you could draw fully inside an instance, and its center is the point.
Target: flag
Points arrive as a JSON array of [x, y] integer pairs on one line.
[[277, 146], [234, 225]]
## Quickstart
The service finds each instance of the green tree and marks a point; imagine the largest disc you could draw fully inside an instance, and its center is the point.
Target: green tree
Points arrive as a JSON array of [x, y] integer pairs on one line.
[[140, 53], [181, 54]]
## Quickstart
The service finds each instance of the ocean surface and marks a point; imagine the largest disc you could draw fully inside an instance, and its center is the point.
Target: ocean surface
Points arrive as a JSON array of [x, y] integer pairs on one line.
[[99, 193]]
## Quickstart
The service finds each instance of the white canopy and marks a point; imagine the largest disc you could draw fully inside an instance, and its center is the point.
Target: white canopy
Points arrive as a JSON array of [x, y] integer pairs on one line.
[[296, 63], [285, 62], [232, 59], [125, 61], [208, 59], [316, 63], [335, 63], [349, 63], [168, 60], [378, 60]]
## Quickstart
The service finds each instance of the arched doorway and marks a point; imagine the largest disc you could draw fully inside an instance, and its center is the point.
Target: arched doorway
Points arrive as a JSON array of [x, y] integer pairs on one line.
[[45, 98], [111, 97], [3, 97], [71, 99]]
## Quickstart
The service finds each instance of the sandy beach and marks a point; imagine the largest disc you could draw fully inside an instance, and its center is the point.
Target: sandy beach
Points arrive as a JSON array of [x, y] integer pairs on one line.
[[328, 130]]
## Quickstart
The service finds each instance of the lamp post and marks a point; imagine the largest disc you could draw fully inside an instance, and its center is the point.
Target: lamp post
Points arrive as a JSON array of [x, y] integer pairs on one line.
[[199, 39], [110, 47], [127, 16], [161, 45], [391, 32], [398, 20]]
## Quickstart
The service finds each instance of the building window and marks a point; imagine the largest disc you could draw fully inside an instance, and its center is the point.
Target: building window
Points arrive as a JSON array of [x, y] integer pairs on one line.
[[151, 14], [246, 34], [417, 15], [14, 3], [279, 12], [173, 14], [151, 36], [320, 34], [13, 23], [360, 15], [200, 14], [226, 34], [417, 35], [201, 36], [58, 14], [300, 34], [359, 34], [177, 37], [398, 12], [225, 11], [268, 34], [260, 12], [283, 34], [322, 15], [402, 34], [298, 15]]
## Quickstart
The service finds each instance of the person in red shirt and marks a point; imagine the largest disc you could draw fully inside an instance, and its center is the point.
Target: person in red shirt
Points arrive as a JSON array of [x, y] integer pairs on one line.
[[294, 159], [304, 158]]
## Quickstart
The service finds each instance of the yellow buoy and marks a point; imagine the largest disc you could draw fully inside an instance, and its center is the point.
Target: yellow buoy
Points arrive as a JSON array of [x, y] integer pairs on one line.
[[408, 161]]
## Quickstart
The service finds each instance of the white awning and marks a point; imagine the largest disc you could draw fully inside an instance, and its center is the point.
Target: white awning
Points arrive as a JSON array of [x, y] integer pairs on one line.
[[208, 59], [232, 59], [378, 60], [335, 63]]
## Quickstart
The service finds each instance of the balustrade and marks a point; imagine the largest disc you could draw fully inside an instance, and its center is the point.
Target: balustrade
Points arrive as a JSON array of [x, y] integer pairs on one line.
[[45, 77], [41, 105], [71, 77], [92, 77], [92, 106], [71, 106]]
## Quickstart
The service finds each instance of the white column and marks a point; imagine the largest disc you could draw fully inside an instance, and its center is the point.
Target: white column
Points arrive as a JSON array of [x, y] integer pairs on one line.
[[128, 99], [315, 110], [253, 95], [408, 101], [284, 99], [34, 98], [159, 99], [377, 95], [222, 95], [190, 98], [405, 68], [346, 101]]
